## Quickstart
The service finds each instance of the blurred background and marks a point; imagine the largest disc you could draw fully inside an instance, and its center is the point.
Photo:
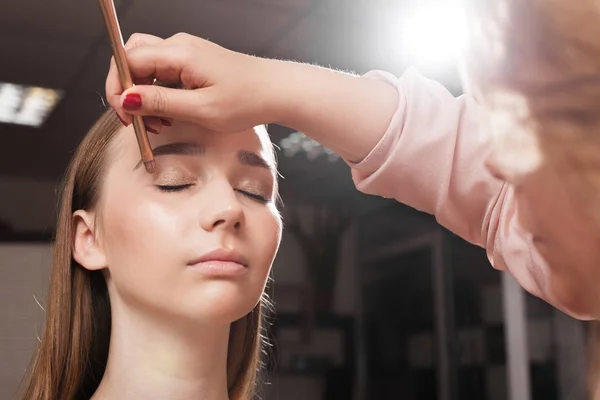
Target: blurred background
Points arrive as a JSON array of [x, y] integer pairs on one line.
[[374, 300]]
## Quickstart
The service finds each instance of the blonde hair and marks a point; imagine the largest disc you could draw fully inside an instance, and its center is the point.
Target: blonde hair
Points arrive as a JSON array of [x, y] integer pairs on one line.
[[70, 359], [536, 64]]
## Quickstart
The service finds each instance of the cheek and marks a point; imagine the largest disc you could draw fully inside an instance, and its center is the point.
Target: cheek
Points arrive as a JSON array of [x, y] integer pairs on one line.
[[271, 229], [138, 239], [132, 227], [265, 233], [548, 211], [542, 210]]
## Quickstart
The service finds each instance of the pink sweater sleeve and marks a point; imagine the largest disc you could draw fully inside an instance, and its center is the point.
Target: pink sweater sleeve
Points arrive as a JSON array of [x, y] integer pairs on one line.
[[432, 159]]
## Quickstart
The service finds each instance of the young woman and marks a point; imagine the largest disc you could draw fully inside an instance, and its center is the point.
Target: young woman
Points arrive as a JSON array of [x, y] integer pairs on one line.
[[513, 167], [157, 286]]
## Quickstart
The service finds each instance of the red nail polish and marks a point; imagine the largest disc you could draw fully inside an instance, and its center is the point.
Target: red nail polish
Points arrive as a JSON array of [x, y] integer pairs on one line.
[[124, 123], [132, 102], [151, 130], [165, 122]]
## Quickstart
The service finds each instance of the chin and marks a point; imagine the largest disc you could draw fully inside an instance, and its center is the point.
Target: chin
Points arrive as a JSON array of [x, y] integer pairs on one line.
[[223, 303], [577, 309], [575, 300]]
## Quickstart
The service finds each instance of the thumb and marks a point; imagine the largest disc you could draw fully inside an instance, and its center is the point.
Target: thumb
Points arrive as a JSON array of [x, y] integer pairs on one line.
[[159, 101]]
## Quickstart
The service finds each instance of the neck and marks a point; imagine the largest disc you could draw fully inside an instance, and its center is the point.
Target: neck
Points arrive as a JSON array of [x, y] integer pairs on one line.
[[160, 359]]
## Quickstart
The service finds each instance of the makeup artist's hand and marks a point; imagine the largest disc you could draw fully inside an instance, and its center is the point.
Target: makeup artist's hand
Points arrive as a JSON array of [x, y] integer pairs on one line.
[[225, 90], [229, 91]]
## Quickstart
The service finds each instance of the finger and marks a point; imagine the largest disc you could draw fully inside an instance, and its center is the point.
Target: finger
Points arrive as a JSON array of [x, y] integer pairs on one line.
[[166, 63], [113, 85], [141, 39], [123, 116], [153, 124], [175, 104], [166, 121]]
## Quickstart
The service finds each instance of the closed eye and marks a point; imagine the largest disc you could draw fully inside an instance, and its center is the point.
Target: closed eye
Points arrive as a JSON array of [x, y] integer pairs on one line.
[[254, 196], [173, 188], [179, 188]]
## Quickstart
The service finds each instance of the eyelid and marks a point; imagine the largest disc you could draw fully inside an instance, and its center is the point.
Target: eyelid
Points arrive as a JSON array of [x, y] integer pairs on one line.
[[256, 187], [174, 177]]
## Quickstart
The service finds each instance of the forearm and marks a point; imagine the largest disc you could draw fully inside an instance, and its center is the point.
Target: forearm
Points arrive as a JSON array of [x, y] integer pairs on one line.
[[343, 112]]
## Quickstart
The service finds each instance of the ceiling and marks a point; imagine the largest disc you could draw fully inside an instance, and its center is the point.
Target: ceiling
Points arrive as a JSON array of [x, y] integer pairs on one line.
[[61, 44]]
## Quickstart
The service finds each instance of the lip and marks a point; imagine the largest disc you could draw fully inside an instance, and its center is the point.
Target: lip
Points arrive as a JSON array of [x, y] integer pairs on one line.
[[538, 240], [221, 255]]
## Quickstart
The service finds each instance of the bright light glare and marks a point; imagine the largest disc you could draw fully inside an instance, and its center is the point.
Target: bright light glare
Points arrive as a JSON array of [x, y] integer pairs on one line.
[[28, 106], [434, 34]]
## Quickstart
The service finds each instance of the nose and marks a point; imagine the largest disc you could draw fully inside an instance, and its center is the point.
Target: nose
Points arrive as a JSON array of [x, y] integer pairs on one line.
[[222, 208], [491, 165]]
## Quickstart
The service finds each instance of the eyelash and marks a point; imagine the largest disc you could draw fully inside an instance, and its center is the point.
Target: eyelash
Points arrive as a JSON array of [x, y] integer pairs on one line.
[[179, 188], [257, 197], [173, 188]]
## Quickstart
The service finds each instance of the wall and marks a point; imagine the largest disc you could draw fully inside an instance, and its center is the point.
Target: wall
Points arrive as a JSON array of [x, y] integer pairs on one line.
[[289, 270], [24, 270], [27, 205]]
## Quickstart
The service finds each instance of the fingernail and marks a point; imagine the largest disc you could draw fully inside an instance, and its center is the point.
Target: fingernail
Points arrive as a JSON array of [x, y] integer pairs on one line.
[[151, 130], [124, 123], [165, 122], [132, 102]]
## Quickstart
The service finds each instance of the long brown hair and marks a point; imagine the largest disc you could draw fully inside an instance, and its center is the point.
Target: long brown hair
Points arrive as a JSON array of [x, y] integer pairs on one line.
[[546, 54], [71, 357]]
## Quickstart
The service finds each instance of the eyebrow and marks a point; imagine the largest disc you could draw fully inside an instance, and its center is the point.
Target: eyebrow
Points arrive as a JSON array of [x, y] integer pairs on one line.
[[245, 157], [251, 159]]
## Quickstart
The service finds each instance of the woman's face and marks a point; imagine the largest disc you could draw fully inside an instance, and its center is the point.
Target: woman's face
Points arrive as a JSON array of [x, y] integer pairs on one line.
[[197, 238], [550, 201]]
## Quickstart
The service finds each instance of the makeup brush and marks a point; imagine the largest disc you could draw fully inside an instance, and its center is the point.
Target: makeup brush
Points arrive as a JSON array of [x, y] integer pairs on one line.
[[116, 41]]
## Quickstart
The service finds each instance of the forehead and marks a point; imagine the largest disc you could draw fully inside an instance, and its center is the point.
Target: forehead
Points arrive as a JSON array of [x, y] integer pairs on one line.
[[255, 140]]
